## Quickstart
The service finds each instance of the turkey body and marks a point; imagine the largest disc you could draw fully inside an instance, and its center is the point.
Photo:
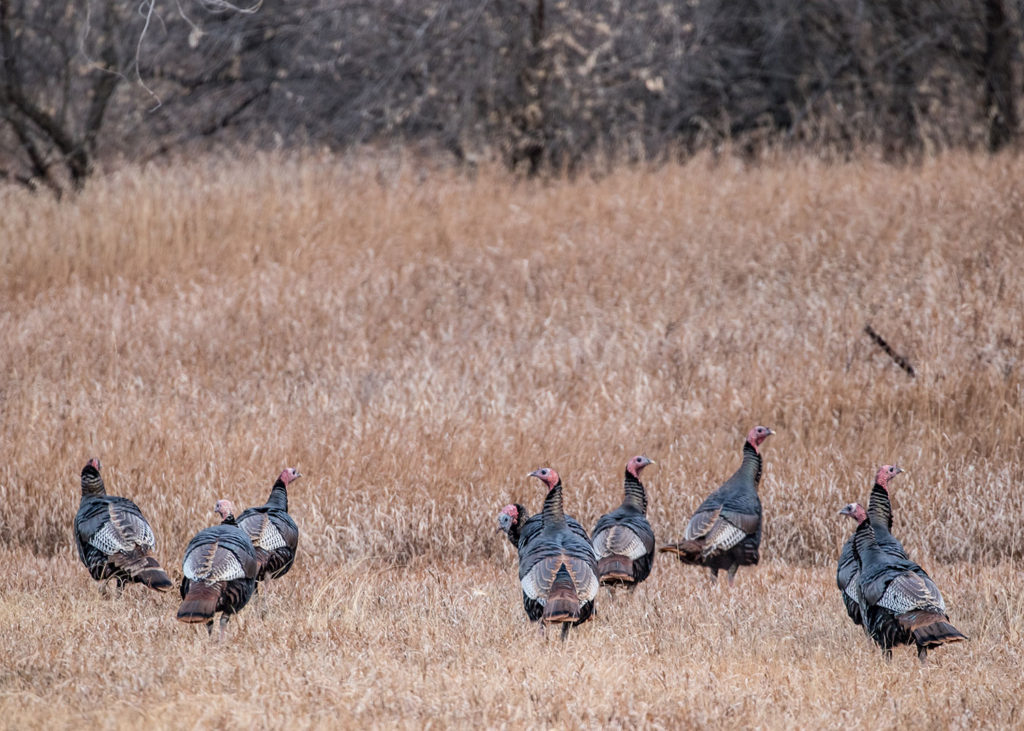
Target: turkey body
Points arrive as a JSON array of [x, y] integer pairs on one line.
[[848, 571], [880, 515], [899, 603], [273, 532], [725, 531], [114, 540], [220, 568], [557, 567], [847, 576], [523, 527], [623, 539]]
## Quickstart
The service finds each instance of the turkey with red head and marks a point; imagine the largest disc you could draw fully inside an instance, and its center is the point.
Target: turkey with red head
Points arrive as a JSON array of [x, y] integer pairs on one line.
[[880, 514], [114, 539], [220, 570], [557, 568], [899, 603], [849, 565], [725, 532], [273, 533], [623, 539]]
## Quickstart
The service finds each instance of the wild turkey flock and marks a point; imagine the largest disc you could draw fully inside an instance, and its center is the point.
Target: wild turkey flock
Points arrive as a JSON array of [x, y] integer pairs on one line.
[[223, 564], [561, 566]]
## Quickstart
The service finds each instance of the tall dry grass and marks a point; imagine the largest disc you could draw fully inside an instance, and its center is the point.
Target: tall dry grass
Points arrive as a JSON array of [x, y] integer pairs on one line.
[[415, 341]]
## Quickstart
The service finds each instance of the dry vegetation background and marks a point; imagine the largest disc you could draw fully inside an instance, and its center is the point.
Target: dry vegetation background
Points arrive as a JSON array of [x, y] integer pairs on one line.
[[415, 341]]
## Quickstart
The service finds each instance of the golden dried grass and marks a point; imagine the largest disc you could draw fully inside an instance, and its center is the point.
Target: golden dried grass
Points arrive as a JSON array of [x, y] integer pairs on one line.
[[417, 341]]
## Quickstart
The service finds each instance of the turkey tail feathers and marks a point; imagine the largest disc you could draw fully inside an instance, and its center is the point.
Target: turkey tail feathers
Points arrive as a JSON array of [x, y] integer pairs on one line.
[[930, 629], [262, 559], [563, 603], [199, 603], [687, 551], [143, 568], [940, 633], [615, 569], [155, 577]]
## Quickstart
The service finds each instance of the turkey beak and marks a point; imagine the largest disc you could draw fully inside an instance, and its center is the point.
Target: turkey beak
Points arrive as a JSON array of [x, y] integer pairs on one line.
[[770, 432]]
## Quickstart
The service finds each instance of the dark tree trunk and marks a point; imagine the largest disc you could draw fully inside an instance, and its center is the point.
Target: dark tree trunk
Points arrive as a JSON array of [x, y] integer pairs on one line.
[[905, 139], [1000, 100], [529, 146]]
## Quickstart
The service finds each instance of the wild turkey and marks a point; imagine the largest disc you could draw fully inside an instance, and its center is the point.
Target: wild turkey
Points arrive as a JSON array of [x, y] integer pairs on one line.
[[557, 568], [623, 539], [849, 565], [271, 529], [520, 528], [725, 532], [880, 515], [220, 569], [518, 525], [113, 537], [899, 603]]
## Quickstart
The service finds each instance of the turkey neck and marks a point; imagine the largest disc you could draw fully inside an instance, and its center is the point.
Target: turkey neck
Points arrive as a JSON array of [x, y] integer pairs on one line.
[[636, 496], [750, 469], [880, 508], [864, 546], [515, 530], [553, 516], [230, 520], [278, 496], [853, 542], [92, 484]]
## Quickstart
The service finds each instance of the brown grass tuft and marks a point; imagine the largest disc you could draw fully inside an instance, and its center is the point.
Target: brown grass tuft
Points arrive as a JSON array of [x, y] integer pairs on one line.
[[417, 341]]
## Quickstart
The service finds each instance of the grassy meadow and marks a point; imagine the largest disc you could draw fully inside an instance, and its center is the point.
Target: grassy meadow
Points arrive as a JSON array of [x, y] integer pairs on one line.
[[415, 341]]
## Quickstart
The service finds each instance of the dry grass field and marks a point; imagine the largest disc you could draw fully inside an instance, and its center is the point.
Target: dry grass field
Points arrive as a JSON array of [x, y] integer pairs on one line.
[[416, 341]]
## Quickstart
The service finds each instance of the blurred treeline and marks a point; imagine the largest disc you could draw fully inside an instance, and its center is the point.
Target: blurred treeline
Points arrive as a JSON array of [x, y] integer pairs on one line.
[[542, 85]]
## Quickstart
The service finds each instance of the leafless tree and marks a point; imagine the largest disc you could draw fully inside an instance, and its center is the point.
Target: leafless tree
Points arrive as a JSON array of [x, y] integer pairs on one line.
[[82, 77], [542, 84]]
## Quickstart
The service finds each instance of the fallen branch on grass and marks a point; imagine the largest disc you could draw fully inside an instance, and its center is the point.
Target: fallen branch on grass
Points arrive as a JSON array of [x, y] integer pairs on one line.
[[896, 357]]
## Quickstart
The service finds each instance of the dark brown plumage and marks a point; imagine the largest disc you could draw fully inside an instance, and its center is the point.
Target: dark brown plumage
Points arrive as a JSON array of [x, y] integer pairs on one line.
[[220, 568], [725, 532], [848, 571], [880, 512], [520, 527], [273, 532], [557, 568], [899, 602], [114, 539], [623, 539]]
